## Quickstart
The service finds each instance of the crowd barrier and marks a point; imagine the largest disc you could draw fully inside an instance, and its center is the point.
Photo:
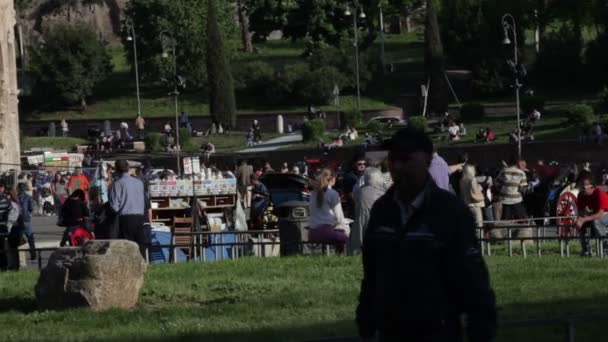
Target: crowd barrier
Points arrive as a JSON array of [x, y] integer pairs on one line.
[[265, 243]]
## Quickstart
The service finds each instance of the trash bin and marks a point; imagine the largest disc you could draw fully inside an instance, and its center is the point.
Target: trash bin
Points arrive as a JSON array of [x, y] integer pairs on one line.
[[293, 227]]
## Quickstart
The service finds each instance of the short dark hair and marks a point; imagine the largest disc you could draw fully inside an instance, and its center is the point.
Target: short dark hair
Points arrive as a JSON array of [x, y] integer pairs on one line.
[[122, 166], [586, 176], [2, 184], [407, 141]]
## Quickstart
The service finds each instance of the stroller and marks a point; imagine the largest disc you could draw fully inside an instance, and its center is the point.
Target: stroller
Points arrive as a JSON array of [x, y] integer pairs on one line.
[[47, 201]]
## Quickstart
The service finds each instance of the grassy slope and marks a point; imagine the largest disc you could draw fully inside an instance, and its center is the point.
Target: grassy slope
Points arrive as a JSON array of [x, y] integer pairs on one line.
[[116, 97], [292, 300], [59, 143]]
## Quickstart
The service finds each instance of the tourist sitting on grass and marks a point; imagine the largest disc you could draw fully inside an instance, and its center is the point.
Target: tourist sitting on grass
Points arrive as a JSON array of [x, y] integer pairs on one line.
[[453, 132], [327, 222], [208, 149], [168, 129], [462, 129], [490, 135], [338, 142], [481, 135], [597, 134], [534, 116]]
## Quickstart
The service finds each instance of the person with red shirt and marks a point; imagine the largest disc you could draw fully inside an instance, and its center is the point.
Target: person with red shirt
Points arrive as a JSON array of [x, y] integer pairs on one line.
[[78, 181], [592, 206]]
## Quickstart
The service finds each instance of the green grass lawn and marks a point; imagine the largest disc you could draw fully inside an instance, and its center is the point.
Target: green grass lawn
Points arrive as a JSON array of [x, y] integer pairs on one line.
[[294, 299], [58, 143]]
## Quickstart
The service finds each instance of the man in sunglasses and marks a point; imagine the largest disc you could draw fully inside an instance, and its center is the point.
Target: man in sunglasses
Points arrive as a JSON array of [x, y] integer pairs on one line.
[[592, 206], [423, 273]]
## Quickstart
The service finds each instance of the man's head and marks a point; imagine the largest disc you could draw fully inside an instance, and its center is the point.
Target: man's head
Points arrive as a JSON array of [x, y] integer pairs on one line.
[[586, 182], [409, 154], [77, 171], [2, 187], [121, 166], [254, 179], [359, 164]]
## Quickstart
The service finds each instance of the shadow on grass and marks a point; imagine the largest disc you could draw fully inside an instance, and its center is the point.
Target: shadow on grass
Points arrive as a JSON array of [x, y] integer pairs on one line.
[[24, 305]]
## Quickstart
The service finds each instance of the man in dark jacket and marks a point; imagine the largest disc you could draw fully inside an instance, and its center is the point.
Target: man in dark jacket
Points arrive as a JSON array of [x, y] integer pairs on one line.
[[423, 271], [27, 205]]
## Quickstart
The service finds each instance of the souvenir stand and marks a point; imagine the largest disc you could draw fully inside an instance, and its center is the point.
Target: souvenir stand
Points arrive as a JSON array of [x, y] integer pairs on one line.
[[213, 194]]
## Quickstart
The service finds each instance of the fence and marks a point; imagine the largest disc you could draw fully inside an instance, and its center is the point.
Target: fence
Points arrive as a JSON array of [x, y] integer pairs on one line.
[[265, 243]]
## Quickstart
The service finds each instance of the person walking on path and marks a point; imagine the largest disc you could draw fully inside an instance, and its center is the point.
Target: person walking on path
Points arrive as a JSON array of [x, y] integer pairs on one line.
[[78, 181], [74, 215], [368, 194], [127, 199], [244, 173], [422, 266], [140, 126], [65, 130], [27, 206]]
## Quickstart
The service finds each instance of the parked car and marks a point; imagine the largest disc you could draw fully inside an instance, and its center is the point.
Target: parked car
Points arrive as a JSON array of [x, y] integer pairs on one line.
[[285, 187], [389, 120]]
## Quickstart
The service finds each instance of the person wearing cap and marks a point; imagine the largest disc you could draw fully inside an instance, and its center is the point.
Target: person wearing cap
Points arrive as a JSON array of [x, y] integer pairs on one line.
[[422, 272], [127, 199]]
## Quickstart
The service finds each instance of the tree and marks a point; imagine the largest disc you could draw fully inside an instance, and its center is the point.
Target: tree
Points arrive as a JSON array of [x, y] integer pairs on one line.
[[266, 16], [222, 103], [435, 62], [243, 13], [70, 63], [185, 21], [405, 9]]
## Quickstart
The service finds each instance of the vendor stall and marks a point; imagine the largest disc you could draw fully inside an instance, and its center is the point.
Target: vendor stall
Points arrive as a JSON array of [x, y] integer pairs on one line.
[[212, 194]]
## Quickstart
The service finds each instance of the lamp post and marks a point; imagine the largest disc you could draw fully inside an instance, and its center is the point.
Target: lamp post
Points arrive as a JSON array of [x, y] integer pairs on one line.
[[132, 37], [356, 45], [167, 41], [508, 24]]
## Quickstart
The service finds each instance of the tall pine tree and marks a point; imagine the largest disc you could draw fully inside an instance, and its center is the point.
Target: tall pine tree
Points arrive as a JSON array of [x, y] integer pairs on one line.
[[222, 103], [438, 99]]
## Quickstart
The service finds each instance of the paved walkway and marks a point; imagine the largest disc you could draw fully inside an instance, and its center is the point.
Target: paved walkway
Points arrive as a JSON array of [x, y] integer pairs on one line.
[[275, 144]]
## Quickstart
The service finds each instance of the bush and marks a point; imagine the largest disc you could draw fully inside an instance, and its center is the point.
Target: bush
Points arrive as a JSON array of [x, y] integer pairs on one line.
[[254, 78], [602, 105], [352, 118], [313, 130], [185, 138], [472, 112], [374, 126], [581, 115], [319, 85], [418, 123], [560, 60], [531, 103], [596, 56], [153, 142]]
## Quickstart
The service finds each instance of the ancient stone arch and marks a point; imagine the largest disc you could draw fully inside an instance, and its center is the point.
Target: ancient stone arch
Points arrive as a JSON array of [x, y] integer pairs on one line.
[[9, 117]]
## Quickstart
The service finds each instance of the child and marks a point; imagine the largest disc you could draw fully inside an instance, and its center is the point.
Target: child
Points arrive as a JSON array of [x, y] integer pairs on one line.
[[250, 138]]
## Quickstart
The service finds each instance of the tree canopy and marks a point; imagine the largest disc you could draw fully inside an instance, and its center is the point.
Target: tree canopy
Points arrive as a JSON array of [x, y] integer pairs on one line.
[[70, 63]]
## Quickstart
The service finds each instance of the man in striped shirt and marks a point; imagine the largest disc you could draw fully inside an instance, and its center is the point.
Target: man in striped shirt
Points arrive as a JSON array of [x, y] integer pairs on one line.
[[511, 183]]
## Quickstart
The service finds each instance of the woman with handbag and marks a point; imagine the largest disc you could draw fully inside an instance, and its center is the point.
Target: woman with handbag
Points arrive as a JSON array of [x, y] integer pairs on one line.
[[327, 222], [472, 193], [15, 235]]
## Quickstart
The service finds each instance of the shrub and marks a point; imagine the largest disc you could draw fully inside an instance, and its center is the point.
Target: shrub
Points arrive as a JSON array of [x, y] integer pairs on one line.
[[530, 103], [602, 105], [254, 77], [185, 138], [313, 130], [418, 123], [153, 142], [472, 112], [374, 126], [352, 118], [596, 56], [581, 115], [319, 85], [560, 61]]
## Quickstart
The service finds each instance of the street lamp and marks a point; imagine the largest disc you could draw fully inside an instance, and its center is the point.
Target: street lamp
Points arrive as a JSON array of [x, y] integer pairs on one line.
[[508, 24], [132, 37], [168, 42], [362, 15]]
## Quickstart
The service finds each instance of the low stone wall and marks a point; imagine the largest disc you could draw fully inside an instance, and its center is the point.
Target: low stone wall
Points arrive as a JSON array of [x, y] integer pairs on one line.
[[267, 121]]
